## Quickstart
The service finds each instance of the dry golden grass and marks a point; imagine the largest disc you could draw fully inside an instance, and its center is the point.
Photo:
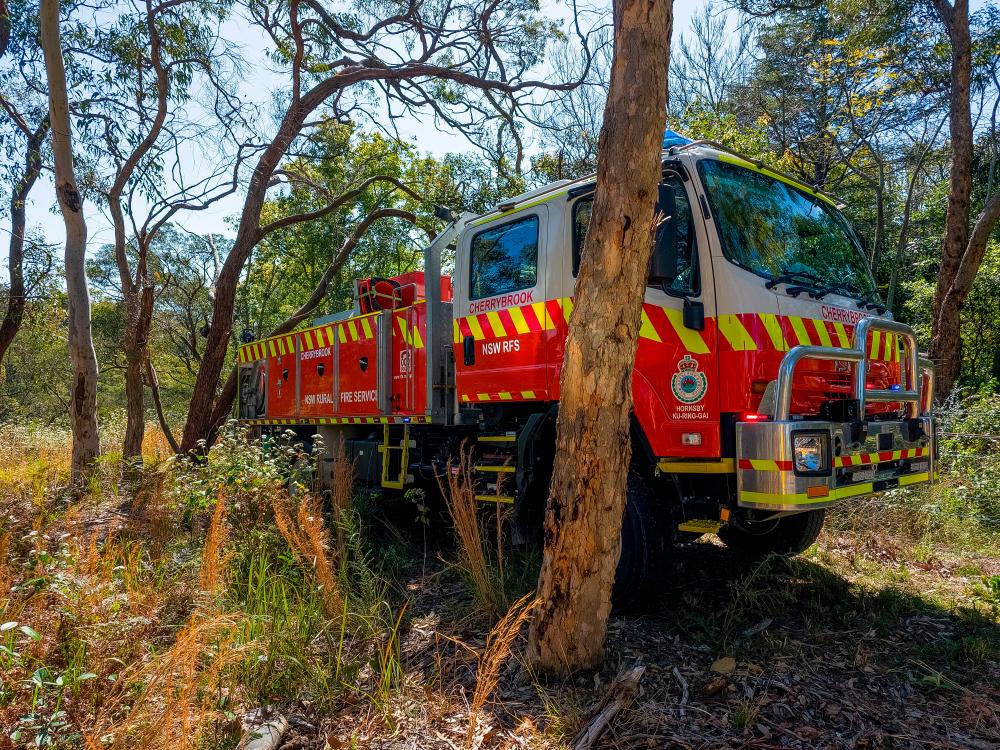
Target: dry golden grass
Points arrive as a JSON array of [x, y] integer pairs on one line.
[[169, 701], [6, 577], [341, 495], [214, 556], [459, 490], [155, 446], [498, 646], [309, 539]]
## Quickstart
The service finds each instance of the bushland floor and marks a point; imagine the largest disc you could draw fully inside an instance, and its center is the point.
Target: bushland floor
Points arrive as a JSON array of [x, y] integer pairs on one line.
[[186, 608], [855, 644]]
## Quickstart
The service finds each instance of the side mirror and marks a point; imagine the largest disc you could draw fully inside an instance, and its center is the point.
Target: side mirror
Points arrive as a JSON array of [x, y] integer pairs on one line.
[[694, 315], [663, 263]]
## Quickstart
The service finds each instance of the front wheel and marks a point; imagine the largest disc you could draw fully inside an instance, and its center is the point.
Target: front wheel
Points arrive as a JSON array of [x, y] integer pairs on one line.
[[788, 535], [646, 543]]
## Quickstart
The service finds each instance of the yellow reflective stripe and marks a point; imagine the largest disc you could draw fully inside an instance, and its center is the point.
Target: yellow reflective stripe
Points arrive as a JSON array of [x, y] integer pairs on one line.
[[692, 340], [367, 328], [876, 340], [308, 339], [824, 335], [527, 394], [773, 328], [646, 329], [839, 493], [496, 324], [802, 498], [505, 396], [520, 324], [566, 303], [799, 328], [402, 330], [908, 479], [843, 339], [764, 465], [736, 333], [415, 339], [281, 347], [477, 330], [456, 334], [483, 396], [353, 330], [342, 333]]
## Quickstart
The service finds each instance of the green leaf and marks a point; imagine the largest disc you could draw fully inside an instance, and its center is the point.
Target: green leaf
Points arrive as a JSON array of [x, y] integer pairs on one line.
[[30, 632]]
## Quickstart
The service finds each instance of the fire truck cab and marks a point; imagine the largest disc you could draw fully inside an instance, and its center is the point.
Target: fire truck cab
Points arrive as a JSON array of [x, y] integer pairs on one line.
[[769, 382]]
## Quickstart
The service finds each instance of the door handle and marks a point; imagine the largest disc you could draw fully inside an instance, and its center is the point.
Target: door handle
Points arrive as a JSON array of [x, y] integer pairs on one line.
[[469, 350]]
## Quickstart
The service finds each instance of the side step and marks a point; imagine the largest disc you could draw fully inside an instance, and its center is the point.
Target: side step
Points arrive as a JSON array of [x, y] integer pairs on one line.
[[496, 465], [700, 526], [400, 480]]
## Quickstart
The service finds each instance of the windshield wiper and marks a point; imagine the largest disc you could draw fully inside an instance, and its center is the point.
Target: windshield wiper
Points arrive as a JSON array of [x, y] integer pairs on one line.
[[869, 301], [786, 277]]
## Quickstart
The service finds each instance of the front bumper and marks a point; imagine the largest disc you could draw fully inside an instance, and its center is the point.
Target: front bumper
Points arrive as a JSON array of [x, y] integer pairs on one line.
[[863, 458]]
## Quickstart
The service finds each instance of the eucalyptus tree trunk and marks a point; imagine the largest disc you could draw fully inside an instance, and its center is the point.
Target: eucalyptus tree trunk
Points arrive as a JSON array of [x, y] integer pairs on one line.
[[83, 394], [946, 341], [593, 449], [15, 260]]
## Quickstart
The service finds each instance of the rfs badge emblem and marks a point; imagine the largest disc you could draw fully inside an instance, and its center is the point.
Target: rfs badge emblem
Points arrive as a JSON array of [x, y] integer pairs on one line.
[[689, 385]]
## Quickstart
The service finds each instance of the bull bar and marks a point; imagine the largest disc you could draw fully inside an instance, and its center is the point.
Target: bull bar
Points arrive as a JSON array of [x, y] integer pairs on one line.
[[884, 453]]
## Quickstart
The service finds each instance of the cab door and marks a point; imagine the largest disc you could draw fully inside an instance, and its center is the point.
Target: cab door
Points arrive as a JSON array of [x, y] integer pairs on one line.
[[675, 383], [501, 320]]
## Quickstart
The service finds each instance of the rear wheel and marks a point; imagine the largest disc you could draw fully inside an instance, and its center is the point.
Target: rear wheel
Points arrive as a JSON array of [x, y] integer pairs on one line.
[[788, 535]]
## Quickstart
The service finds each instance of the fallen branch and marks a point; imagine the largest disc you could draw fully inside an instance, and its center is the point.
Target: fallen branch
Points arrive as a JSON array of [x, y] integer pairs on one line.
[[621, 693], [684, 688]]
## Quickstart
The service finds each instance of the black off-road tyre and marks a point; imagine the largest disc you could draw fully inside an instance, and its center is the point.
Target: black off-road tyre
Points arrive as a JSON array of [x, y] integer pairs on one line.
[[788, 535], [646, 545]]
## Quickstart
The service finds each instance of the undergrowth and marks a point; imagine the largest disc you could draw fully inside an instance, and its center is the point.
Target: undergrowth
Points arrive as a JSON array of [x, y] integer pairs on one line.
[[163, 613]]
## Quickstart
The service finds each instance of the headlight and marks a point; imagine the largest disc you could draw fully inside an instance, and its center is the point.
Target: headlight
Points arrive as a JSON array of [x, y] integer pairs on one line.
[[811, 452]]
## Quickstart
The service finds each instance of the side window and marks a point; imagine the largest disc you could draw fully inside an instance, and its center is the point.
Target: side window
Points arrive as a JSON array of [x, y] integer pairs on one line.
[[581, 222], [504, 258], [675, 257]]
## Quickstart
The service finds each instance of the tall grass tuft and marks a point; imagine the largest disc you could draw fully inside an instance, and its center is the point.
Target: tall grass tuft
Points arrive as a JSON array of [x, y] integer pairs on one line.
[[498, 647], [459, 490], [169, 701], [341, 495], [213, 558], [309, 539]]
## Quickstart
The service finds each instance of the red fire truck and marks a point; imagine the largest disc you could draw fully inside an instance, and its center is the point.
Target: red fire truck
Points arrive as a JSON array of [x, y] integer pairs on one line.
[[770, 383]]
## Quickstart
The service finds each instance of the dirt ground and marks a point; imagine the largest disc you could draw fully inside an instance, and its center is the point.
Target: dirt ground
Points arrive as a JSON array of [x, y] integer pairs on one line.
[[853, 645]]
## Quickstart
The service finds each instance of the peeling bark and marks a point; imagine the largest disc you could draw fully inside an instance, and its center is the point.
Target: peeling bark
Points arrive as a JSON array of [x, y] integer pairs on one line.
[[593, 445]]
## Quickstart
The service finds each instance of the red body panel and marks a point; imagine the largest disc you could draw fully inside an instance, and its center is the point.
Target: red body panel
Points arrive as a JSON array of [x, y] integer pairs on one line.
[[316, 373], [281, 376], [752, 352], [409, 360], [358, 369], [519, 352]]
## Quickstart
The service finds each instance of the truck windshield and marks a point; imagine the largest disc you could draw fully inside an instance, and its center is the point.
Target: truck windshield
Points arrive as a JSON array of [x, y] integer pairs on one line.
[[778, 231]]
